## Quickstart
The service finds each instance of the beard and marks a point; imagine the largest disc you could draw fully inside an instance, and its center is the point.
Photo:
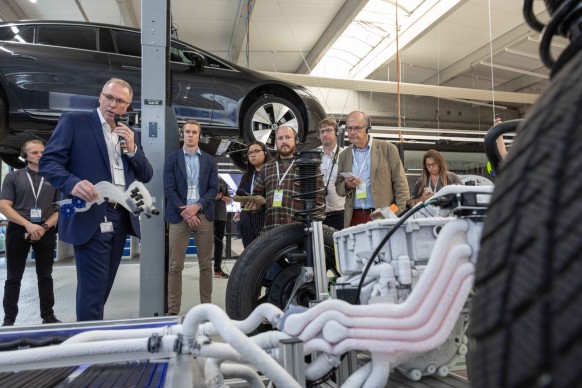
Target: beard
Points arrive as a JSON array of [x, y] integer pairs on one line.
[[286, 152]]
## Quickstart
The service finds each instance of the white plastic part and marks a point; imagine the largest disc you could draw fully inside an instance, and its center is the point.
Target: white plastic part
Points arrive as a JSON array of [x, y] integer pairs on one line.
[[136, 199], [321, 366], [393, 333], [81, 353], [414, 375], [443, 371], [380, 370], [243, 372], [102, 335], [264, 311], [356, 380], [238, 340]]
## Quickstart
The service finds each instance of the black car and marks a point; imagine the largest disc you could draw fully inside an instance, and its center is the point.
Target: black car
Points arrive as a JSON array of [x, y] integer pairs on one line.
[[51, 67]]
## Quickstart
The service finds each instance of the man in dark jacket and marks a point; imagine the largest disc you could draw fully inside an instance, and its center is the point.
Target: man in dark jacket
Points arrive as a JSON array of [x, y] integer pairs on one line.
[[190, 187], [85, 149]]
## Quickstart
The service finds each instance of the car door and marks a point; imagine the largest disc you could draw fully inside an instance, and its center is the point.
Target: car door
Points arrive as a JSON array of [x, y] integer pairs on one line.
[[192, 92], [61, 70], [193, 89]]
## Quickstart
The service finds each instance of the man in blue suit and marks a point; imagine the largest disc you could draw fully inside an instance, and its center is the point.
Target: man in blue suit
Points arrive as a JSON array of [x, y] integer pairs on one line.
[[190, 186], [83, 150]]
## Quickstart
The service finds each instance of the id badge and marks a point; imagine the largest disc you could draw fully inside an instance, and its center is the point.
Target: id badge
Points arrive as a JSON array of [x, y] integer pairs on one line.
[[35, 214], [106, 227], [278, 198], [191, 192], [361, 191], [118, 175]]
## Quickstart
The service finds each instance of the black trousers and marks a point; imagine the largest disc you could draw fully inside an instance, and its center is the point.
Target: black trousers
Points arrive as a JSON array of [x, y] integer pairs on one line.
[[251, 224], [219, 228], [17, 248], [335, 220]]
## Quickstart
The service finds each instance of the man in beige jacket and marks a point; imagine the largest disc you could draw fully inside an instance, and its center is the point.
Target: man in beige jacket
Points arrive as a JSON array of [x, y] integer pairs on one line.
[[370, 173]]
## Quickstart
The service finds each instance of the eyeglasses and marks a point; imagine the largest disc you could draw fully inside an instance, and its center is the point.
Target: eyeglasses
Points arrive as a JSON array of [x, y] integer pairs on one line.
[[431, 165], [354, 129], [323, 131], [110, 98], [255, 152]]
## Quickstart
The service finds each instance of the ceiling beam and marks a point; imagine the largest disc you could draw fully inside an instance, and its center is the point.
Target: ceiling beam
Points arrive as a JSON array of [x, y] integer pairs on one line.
[[127, 13], [239, 34], [340, 22], [523, 82], [10, 11], [522, 53], [367, 85], [518, 34], [514, 69]]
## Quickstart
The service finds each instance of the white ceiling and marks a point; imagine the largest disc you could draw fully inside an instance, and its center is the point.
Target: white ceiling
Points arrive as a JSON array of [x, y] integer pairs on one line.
[[477, 41]]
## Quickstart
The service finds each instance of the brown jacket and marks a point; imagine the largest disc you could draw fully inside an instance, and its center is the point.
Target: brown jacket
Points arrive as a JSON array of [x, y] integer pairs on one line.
[[389, 183]]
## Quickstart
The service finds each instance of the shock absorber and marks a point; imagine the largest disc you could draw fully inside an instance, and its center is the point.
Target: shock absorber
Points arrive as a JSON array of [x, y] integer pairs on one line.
[[308, 163], [310, 181]]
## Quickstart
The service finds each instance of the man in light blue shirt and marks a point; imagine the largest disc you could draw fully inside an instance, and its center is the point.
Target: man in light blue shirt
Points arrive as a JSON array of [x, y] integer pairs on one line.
[[370, 173], [190, 186]]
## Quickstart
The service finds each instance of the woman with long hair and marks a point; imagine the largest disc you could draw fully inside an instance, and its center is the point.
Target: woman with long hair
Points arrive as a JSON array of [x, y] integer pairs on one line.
[[434, 177], [252, 221]]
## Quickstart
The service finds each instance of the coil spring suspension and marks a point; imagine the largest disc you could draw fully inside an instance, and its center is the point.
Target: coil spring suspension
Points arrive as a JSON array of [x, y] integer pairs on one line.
[[308, 163]]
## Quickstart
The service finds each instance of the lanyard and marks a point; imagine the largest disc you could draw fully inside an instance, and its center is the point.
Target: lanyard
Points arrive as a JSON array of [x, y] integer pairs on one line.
[[331, 169], [436, 184], [253, 181], [35, 193], [360, 169], [284, 175]]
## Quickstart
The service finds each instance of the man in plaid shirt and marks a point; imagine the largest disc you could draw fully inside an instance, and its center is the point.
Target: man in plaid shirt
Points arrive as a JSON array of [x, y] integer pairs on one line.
[[277, 182]]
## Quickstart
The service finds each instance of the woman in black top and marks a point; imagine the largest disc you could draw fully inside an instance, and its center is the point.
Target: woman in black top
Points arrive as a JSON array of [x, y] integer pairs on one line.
[[252, 222]]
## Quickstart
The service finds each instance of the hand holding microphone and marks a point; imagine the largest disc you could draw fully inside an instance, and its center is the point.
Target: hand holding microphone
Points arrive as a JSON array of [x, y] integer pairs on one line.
[[122, 141]]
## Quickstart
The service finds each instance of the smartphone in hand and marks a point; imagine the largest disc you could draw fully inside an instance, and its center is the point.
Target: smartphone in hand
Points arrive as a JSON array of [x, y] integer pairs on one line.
[[428, 190]]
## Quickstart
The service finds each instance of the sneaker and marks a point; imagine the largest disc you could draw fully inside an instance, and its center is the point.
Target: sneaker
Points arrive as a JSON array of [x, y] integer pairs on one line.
[[221, 275], [8, 322], [50, 319]]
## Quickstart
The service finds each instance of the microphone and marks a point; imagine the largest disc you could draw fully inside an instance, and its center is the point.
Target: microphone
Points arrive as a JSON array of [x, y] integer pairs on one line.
[[122, 142]]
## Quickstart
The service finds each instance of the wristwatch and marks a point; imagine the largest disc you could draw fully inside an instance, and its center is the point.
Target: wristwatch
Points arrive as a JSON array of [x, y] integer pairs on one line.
[[45, 227]]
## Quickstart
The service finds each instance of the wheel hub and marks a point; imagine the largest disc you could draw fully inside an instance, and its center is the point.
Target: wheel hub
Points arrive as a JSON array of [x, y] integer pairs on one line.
[[281, 287]]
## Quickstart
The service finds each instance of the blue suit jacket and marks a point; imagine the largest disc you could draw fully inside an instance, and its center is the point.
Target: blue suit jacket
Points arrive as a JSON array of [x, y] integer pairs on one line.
[[77, 151], [176, 185]]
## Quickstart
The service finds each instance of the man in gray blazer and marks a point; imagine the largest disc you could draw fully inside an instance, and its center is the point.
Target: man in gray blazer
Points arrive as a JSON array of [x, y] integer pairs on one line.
[[370, 173]]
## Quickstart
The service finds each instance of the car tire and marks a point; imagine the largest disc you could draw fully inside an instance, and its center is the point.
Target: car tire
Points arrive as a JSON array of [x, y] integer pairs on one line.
[[239, 159], [527, 313], [267, 114], [3, 117], [248, 285], [13, 160]]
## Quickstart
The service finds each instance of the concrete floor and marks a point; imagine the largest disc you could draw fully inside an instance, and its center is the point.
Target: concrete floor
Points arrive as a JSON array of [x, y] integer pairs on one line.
[[123, 301]]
